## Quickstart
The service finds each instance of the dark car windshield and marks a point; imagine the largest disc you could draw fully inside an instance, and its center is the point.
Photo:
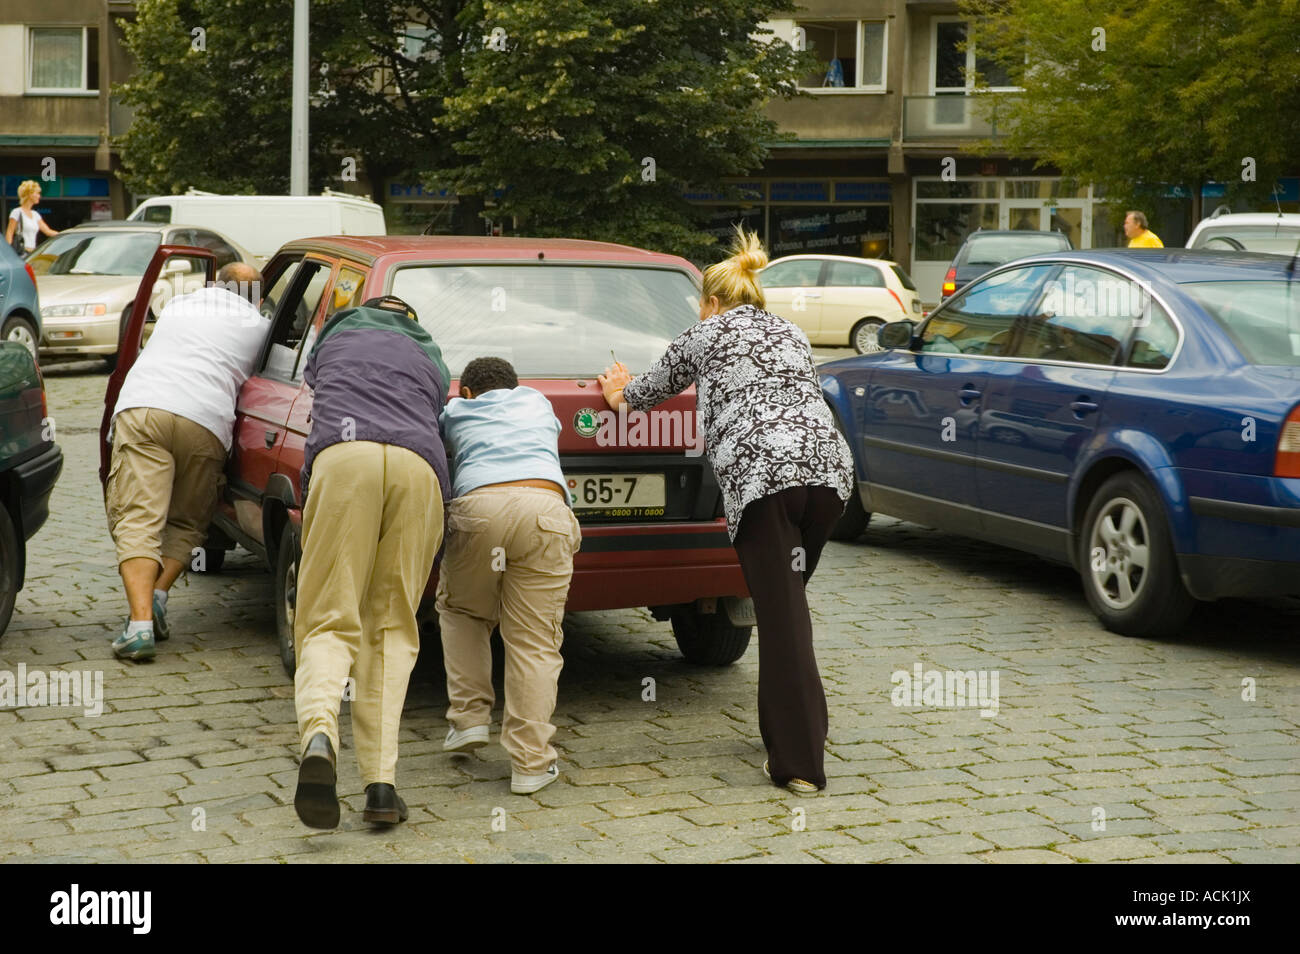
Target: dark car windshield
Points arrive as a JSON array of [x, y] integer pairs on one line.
[[95, 253], [550, 320], [1279, 239], [993, 250], [1261, 317]]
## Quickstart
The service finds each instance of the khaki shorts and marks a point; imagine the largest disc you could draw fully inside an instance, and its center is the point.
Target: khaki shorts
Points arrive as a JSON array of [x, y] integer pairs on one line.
[[163, 484]]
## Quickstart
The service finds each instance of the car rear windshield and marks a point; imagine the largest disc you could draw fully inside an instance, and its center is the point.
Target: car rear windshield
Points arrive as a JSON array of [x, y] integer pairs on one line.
[[903, 277], [1251, 238], [550, 320], [95, 253], [1000, 249], [1261, 317]]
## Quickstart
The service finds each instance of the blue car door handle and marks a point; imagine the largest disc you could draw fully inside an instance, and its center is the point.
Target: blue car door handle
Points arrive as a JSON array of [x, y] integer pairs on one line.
[[968, 395], [1082, 407]]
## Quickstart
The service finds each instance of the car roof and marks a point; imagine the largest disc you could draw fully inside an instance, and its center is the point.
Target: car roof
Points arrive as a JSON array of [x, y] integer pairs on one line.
[[1178, 265], [368, 248], [1291, 219], [985, 233], [856, 259]]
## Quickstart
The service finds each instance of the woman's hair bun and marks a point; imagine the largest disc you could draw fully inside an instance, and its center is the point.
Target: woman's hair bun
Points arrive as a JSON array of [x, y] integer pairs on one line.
[[747, 251]]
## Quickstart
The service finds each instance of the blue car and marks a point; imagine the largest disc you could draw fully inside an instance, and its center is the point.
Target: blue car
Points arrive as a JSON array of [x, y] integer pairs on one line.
[[1133, 413], [20, 311]]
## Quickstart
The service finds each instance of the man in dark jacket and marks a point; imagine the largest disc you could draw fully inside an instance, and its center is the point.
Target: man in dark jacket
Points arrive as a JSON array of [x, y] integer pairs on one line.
[[374, 479]]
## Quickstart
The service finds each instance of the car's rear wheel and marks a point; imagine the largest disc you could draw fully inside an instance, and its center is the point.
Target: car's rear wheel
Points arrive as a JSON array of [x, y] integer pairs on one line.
[[19, 329], [1127, 561], [709, 639], [865, 336], [286, 596], [11, 555]]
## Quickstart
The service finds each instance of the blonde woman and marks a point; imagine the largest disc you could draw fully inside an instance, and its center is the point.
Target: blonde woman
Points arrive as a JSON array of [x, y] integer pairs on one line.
[[27, 218], [785, 474]]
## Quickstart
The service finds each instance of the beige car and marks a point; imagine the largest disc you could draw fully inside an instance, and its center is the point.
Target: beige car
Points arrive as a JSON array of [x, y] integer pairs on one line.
[[88, 276], [839, 300]]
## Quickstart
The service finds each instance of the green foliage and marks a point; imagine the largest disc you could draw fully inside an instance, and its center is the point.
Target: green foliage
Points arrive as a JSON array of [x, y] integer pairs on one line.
[[554, 129], [1181, 94]]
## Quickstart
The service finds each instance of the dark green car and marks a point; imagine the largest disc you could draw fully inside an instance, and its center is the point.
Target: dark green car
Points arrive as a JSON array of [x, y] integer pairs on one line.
[[30, 464]]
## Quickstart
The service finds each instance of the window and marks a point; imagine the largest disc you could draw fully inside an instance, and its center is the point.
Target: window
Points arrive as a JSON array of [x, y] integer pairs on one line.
[[157, 213], [981, 320], [419, 42], [63, 60], [800, 273], [1084, 317], [850, 275], [1155, 340], [290, 304], [217, 245], [851, 54], [347, 290], [953, 70]]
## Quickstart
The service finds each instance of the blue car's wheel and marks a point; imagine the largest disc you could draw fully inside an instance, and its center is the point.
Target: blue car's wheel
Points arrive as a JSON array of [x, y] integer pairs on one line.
[[1126, 559]]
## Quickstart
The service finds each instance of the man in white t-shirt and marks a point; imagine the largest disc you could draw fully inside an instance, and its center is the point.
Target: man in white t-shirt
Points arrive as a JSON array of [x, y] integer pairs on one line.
[[171, 433]]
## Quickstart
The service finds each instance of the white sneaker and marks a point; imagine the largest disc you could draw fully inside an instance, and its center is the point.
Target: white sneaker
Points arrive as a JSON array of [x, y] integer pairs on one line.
[[462, 740], [796, 785], [521, 784]]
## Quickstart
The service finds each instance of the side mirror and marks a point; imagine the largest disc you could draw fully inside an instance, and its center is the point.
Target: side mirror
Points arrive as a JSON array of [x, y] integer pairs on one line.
[[177, 266], [896, 335]]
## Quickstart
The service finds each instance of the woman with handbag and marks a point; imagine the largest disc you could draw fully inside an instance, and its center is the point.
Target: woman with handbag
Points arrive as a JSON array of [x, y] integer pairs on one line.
[[785, 473], [25, 223]]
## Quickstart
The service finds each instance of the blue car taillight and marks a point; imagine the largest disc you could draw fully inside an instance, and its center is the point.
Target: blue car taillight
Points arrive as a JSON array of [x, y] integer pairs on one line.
[[1287, 463]]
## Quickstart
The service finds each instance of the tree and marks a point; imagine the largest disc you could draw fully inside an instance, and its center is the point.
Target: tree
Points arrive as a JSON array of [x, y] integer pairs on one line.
[[592, 117], [1136, 96]]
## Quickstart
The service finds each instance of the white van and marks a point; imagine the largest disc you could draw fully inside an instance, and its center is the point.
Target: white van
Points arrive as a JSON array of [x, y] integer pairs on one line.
[[263, 223]]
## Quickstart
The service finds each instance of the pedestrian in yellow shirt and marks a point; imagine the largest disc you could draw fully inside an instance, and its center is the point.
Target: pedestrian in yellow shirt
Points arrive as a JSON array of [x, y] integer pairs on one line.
[[1139, 236]]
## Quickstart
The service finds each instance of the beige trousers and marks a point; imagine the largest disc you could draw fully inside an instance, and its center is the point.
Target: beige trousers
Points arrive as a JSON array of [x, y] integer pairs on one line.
[[163, 483], [372, 525], [509, 561]]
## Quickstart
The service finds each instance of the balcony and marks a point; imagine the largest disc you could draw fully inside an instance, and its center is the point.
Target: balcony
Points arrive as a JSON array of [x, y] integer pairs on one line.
[[945, 118]]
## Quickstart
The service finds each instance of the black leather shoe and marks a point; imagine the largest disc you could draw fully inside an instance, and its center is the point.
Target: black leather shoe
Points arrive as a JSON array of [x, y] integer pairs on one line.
[[383, 805], [315, 800]]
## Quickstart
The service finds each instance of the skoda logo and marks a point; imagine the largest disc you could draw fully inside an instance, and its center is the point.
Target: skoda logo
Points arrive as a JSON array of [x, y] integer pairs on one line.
[[586, 422]]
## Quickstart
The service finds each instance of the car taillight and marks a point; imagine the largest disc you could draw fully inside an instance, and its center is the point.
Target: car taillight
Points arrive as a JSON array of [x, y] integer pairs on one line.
[[950, 282], [897, 299], [1288, 446], [30, 274]]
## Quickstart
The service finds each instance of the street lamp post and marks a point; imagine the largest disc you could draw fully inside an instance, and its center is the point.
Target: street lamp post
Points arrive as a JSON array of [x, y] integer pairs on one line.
[[298, 119]]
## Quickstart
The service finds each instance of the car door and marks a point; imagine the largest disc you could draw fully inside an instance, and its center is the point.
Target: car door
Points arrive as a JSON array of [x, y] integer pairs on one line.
[[853, 291], [923, 406], [296, 288], [793, 291], [1041, 407]]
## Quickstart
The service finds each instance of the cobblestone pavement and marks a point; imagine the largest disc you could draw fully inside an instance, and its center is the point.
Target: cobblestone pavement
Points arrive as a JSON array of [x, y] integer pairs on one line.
[[1102, 748]]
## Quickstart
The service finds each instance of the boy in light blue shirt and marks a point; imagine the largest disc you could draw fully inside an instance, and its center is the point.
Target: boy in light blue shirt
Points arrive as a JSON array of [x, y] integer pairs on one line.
[[511, 537]]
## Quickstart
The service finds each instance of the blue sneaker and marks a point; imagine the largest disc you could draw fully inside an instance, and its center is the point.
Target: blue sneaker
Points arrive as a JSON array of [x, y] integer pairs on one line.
[[161, 630], [138, 645]]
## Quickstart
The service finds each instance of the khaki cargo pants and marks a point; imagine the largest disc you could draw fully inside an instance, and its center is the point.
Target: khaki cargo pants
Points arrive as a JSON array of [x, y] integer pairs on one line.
[[509, 561], [163, 483], [370, 530]]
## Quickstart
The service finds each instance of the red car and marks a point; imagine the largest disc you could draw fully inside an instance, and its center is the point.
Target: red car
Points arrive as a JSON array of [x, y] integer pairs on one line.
[[647, 500]]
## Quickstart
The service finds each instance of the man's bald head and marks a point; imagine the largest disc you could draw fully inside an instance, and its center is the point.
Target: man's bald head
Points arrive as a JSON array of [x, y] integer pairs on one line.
[[242, 279]]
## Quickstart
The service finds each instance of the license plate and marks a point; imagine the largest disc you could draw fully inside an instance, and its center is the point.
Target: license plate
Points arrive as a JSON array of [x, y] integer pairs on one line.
[[617, 495]]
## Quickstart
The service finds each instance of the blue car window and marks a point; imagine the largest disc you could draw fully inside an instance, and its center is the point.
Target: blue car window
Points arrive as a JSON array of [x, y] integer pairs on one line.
[[982, 318], [1084, 315]]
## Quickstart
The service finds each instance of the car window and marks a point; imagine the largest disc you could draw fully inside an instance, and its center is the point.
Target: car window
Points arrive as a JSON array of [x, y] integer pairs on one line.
[[1261, 317], [1154, 339], [990, 250], [980, 320], [157, 213], [95, 252], [850, 274], [1283, 240], [801, 273], [293, 299], [1083, 315], [903, 277], [211, 240], [187, 237]]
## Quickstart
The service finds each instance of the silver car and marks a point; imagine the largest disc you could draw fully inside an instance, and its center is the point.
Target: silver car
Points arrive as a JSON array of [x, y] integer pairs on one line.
[[88, 277], [20, 313]]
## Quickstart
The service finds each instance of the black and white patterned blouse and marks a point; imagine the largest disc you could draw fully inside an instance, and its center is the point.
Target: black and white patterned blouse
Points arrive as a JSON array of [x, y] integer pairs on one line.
[[766, 425]]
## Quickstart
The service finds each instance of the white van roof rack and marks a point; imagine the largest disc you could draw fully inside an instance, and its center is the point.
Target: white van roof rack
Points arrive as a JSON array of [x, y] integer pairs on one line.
[[193, 191], [346, 195]]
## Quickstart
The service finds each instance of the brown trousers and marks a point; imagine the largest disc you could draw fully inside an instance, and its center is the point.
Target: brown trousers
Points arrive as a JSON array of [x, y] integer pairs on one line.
[[780, 541]]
